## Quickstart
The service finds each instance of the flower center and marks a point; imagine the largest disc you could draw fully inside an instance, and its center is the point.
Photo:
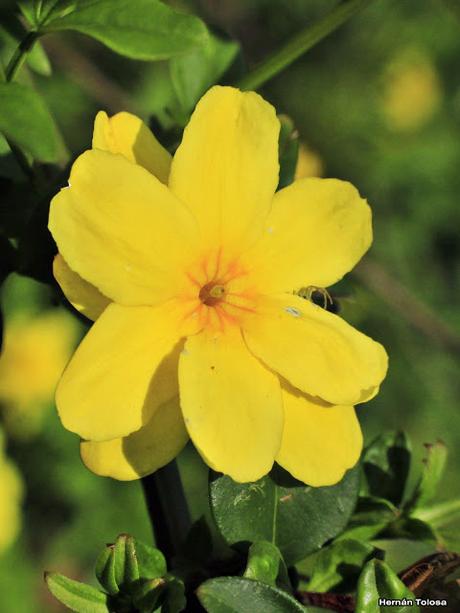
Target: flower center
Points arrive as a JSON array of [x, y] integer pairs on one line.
[[211, 294]]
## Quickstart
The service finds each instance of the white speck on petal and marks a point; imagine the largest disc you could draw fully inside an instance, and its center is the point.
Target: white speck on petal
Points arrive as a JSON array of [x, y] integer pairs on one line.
[[184, 351], [292, 311], [270, 230]]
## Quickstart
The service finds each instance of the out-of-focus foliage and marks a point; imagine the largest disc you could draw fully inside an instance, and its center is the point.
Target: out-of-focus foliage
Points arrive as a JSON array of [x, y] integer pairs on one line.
[[377, 103]]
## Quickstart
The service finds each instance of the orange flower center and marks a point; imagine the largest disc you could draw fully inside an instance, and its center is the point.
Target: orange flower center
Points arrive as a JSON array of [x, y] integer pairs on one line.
[[217, 297]]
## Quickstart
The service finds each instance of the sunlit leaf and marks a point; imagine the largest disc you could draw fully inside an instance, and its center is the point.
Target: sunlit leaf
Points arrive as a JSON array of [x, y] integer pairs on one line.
[[238, 594], [76, 596], [376, 581], [263, 562], [140, 29], [297, 518], [338, 563]]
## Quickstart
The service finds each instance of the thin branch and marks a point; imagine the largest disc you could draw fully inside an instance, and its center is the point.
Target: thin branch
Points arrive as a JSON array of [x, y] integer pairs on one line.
[[408, 306], [299, 44], [88, 76]]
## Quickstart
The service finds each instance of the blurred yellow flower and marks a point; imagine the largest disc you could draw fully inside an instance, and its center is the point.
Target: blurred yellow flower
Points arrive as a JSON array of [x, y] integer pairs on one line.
[[10, 500], [412, 91], [35, 352], [189, 265], [309, 163]]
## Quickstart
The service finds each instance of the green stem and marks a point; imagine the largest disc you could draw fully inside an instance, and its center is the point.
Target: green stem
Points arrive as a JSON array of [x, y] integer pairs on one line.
[[14, 65], [168, 509], [301, 43], [439, 514], [20, 55]]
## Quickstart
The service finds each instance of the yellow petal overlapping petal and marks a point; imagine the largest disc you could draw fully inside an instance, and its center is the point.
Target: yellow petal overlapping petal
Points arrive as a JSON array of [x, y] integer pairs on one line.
[[124, 369], [231, 405], [83, 296], [122, 230], [128, 135], [226, 168], [319, 442], [158, 442], [317, 230], [316, 351]]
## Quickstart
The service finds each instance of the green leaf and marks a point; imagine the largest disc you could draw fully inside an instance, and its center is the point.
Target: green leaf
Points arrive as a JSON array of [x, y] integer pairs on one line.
[[148, 593], [372, 515], [410, 528], [105, 570], [75, 595], [38, 61], [338, 564], [238, 594], [193, 73], [174, 600], [25, 120], [376, 581], [10, 35], [140, 29], [296, 518], [432, 472], [441, 514], [27, 9], [386, 464], [263, 562], [50, 9], [150, 561], [288, 151]]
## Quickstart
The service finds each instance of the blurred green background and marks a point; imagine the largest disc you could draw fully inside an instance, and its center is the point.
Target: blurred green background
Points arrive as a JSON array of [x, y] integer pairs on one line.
[[376, 103]]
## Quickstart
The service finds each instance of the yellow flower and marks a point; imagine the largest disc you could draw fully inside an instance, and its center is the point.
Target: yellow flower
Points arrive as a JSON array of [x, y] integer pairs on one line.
[[10, 500], [412, 91], [36, 350], [199, 333]]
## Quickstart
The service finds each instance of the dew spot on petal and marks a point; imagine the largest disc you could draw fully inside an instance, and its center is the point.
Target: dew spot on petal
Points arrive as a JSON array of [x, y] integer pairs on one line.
[[293, 311]]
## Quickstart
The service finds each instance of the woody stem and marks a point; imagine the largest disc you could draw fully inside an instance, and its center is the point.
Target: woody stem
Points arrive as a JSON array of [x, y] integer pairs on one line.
[[168, 509]]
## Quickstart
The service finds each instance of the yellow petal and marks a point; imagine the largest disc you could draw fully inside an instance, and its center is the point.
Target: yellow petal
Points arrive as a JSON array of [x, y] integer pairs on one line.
[[317, 230], [121, 230], [231, 405], [124, 369], [128, 135], [316, 351], [319, 442], [83, 296], [144, 451], [226, 169]]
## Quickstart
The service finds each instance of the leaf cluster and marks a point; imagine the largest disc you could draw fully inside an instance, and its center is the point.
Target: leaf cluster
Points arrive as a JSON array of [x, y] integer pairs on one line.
[[290, 547]]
